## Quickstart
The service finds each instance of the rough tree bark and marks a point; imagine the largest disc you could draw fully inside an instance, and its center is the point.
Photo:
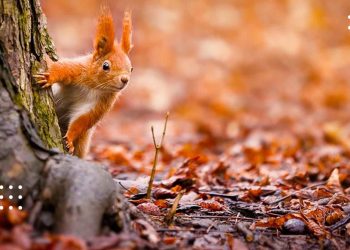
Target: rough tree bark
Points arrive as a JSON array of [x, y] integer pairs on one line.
[[31, 149]]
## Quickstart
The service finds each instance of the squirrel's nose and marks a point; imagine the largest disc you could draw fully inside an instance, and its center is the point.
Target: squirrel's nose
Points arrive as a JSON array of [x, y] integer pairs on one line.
[[124, 79]]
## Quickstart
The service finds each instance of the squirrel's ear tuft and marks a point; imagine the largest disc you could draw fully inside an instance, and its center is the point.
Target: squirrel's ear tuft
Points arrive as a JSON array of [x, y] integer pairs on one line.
[[126, 42], [104, 39]]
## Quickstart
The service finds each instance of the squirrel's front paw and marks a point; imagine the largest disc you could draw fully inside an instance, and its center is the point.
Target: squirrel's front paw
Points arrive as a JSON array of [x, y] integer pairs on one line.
[[69, 144], [43, 79]]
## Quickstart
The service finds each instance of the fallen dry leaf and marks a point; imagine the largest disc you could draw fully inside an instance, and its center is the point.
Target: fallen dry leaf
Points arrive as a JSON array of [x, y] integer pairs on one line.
[[162, 193], [161, 203], [333, 180], [149, 208], [212, 205], [146, 230]]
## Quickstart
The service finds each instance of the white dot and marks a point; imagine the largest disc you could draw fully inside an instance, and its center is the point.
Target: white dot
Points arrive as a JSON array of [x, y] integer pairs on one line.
[[20, 207], [1, 187], [1, 197], [1, 207], [20, 187], [10, 187], [348, 16], [10, 207], [20, 197], [10, 197]]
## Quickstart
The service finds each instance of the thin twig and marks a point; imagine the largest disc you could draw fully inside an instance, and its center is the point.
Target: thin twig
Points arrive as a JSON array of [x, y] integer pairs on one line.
[[164, 129], [161, 230], [224, 217], [228, 196], [239, 213], [126, 188], [210, 227], [155, 161], [154, 138], [170, 216]]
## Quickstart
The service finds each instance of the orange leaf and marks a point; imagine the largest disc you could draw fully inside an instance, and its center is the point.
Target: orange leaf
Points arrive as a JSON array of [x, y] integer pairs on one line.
[[212, 205], [161, 203], [274, 222], [169, 240]]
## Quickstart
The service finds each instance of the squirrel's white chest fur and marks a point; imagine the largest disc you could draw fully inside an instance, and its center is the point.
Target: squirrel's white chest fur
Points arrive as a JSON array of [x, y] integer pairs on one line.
[[73, 102]]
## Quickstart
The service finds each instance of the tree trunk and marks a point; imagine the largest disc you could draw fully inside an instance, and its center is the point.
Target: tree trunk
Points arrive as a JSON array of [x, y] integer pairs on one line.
[[31, 149], [25, 40]]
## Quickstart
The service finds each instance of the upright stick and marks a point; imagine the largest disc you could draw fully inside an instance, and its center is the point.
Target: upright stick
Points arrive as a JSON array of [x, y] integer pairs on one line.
[[155, 161]]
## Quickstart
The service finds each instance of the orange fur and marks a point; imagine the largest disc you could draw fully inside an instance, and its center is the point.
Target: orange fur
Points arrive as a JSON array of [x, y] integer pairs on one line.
[[64, 72], [125, 42], [104, 38], [87, 90]]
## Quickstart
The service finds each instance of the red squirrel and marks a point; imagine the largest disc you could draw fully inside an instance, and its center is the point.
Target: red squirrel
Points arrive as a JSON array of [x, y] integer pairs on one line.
[[85, 88]]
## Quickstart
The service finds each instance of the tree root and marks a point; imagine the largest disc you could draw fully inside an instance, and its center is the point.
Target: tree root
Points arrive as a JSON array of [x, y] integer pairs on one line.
[[81, 193]]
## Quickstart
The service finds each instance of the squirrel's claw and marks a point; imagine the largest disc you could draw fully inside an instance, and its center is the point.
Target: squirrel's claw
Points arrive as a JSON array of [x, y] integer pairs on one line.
[[43, 79], [46, 85], [69, 144]]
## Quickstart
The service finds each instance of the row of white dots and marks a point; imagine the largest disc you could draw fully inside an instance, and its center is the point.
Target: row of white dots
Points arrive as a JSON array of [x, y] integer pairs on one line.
[[11, 207], [11, 197], [348, 18], [11, 187]]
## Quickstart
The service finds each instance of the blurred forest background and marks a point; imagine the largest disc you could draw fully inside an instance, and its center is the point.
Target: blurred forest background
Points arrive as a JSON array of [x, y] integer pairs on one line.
[[267, 78]]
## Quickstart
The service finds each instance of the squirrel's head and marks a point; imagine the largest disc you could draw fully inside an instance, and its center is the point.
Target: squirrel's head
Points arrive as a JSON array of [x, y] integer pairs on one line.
[[111, 64]]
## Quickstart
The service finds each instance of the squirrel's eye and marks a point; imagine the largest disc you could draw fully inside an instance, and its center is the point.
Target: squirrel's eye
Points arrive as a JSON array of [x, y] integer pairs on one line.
[[131, 69], [105, 65]]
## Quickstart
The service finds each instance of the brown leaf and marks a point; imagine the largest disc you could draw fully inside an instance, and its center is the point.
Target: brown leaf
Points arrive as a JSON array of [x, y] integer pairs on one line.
[[131, 191], [169, 240], [139, 201], [275, 222], [255, 192], [333, 180], [334, 216], [315, 218], [161, 203], [181, 180], [146, 230], [320, 193], [316, 228], [162, 193], [149, 208], [212, 205]]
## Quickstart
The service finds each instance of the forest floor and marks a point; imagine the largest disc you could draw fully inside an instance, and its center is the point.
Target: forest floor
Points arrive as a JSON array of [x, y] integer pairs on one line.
[[258, 133]]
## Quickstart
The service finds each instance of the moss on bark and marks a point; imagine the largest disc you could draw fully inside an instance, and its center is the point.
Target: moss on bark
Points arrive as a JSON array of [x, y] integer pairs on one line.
[[24, 34]]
